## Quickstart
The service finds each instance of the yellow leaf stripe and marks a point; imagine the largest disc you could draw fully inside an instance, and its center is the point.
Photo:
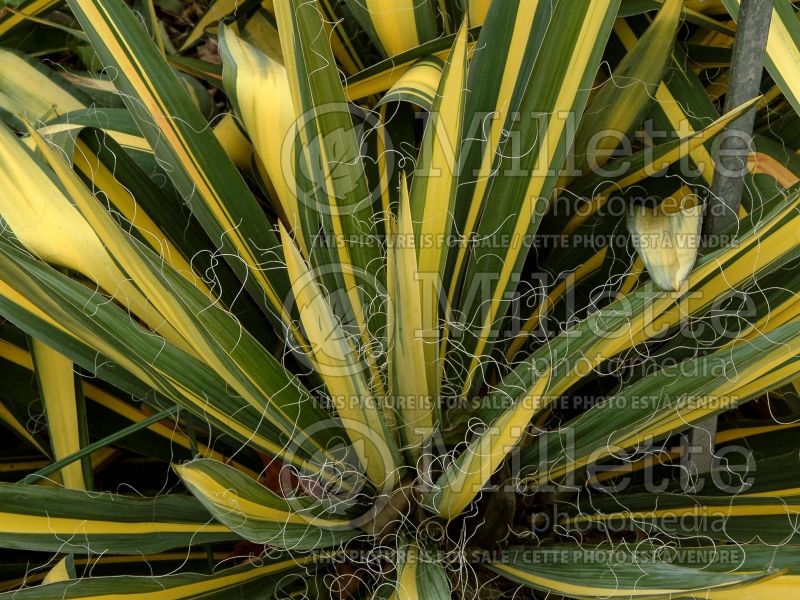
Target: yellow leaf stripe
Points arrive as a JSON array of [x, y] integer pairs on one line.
[[459, 485], [25, 89], [102, 178], [408, 383], [335, 363], [433, 194], [49, 225], [98, 14], [518, 46], [10, 20], [595, 15], [232, 501], [417, 85], [21, 524], [395, 23], [250, 76], [56, 378]]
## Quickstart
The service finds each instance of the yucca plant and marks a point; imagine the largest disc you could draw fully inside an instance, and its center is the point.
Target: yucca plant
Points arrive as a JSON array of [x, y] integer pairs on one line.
[[310, 299]]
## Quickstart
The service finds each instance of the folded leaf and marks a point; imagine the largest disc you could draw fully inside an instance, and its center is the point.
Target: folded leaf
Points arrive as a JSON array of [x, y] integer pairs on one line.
[[417, 85], [420, 576], [259, 514], [667, 238]]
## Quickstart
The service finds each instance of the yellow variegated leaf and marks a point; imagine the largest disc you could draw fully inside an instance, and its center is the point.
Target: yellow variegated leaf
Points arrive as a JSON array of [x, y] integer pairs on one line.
[[418, 85], [782, 587], [433, 193], [236, 146], [465, 478], [128, 141], [411, 391], [251, 76], [123, 201], [420, 576], [10, 20], [666, 237], [48, 224], [63, 570], [262, 33], [260, 514], [334, 361], [28, 90], [56, 378], [509, 67], [214, 190], [478, 10], [21, 357], [571, 38], [396, 25], [384, 79], [620, 102], [584, 572], [673, 111]]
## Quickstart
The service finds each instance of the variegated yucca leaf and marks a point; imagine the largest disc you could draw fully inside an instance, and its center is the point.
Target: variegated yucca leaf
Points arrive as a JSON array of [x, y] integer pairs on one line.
[[217, 196], [370, 299], [63, 406], [562, 43], [57, 520], [408, 381], [260, 515], [274, 576], [666, 238], [419, 576], [590, 573]]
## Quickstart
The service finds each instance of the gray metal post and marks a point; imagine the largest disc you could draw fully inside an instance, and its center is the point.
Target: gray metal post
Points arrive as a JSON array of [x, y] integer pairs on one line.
[[722, 207]]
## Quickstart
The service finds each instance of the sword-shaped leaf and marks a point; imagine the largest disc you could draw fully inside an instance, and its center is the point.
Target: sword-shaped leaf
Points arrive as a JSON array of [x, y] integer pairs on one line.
[[396, 26], [59, 520], [418, 85], [336, 363], [579, 572], [570, 38], [621, 101], [420, 576], [408, 385], [466, 476], [669, 402], [181, 138], [64, 410], [259, 514], [254, 579]]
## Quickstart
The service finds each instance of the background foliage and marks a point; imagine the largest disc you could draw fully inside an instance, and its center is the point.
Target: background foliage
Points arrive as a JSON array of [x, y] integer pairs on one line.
[[335, 298]]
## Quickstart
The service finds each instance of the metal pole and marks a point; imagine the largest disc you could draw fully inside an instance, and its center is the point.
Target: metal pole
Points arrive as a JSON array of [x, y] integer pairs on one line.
[[747, 66], [722, 207]]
